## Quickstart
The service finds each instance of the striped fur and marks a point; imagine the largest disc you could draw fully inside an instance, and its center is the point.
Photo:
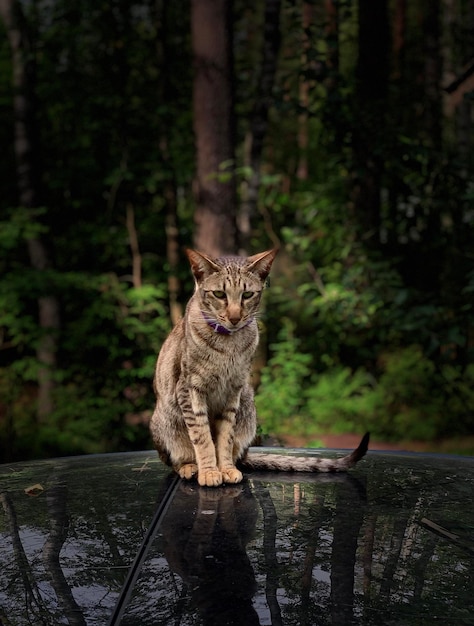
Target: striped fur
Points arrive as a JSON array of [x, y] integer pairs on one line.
[[289, 463], [204, 419]]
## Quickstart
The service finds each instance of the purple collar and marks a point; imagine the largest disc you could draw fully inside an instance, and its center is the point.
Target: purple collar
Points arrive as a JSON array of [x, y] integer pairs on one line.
[[222, 330]]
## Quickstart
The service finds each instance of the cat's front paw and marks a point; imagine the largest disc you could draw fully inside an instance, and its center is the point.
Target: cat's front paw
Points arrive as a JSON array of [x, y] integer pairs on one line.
[[231, 475], [210, 477], [188, 470]]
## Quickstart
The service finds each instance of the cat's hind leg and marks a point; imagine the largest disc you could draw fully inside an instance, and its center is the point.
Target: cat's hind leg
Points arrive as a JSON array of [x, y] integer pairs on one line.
[[183, 458], [187, 470], [171, 441]]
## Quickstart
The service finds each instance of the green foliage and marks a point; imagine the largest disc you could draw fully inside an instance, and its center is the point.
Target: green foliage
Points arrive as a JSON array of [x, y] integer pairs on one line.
[[407, 403], [369, 317], [387, 353], [282, 378], [338, 399], [114, 126], [21, 224], [133, 323], [108, 340], [409, 400]]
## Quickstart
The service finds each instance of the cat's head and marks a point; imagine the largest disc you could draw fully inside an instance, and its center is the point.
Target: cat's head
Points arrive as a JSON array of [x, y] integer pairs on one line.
[[229, 288]]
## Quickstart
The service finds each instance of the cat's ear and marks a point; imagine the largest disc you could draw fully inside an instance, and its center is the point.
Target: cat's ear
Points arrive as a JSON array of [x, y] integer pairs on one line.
[[201, 265], [261, 263]]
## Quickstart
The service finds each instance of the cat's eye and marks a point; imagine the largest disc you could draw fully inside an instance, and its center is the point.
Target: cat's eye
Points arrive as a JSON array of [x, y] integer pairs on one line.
[[247, 294], [219, 294]]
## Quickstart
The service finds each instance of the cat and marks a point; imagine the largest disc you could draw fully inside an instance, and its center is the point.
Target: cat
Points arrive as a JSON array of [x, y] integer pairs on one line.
[[205, 419]]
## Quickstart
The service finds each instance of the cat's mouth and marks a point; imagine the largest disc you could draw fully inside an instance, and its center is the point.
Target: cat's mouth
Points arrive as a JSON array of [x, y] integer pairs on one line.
[[233, 324], [225, 326]]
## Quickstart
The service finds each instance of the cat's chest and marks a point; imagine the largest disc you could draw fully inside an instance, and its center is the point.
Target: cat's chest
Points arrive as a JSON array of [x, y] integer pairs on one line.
[[216, 376], [216, 371], [218, 368]]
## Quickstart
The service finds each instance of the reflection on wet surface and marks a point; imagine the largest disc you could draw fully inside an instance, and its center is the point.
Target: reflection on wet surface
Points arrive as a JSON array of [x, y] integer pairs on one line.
[[66, 546], [390, 543]]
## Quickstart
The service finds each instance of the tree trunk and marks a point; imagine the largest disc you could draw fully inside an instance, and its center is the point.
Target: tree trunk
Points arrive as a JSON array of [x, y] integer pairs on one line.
[[304, 89], [399, 36], [369, 120], [31, 593], [26, 148], [270, 553], [169, 184], [56, 498], [433, 71], [343, 555], [172, 253], [331, 34], [134, 246], [215, 187], [259, 121]]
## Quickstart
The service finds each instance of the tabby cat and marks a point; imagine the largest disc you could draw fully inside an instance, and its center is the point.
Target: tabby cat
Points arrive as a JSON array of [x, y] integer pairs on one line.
[[205, 419]]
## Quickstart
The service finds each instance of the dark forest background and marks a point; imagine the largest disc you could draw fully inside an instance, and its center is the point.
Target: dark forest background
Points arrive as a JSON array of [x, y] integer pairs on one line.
[[340, 131]]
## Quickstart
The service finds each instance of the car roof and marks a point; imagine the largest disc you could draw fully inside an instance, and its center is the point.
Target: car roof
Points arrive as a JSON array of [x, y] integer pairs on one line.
[[116, 539]]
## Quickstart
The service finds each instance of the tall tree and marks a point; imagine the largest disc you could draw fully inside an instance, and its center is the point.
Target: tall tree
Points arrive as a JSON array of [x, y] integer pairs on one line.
[[369, 104], [399, 36], [213, 98], [259, 120], [332, 41], [164, 20], [27, 169], [432, 70], [304, 89]]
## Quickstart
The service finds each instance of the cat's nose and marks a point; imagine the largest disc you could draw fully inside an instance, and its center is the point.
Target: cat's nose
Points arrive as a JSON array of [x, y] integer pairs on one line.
[[233, 313]]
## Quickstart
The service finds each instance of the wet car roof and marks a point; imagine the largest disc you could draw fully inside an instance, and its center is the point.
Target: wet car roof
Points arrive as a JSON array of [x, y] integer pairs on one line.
[[115, 539]]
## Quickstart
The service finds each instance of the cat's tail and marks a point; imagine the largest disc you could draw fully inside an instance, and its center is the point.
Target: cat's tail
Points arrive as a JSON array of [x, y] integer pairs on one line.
[[287, 463]]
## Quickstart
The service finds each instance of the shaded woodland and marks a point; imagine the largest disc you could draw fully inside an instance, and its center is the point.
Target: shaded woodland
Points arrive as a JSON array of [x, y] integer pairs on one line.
[[339, 131]]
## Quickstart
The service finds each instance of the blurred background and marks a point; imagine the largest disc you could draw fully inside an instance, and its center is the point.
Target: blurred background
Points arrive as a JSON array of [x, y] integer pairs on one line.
[[339, 131]]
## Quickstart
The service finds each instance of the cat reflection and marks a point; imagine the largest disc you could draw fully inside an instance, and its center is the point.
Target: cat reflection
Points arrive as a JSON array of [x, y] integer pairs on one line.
[[205, 534]]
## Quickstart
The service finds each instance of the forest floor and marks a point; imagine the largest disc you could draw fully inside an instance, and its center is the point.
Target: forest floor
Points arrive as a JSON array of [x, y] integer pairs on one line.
[[464, 446]]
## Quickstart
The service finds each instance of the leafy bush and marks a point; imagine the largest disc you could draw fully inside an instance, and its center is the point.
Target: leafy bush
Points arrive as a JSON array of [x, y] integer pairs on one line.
[[338, 399], [107, 345], [409, 399], [280, 397]]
